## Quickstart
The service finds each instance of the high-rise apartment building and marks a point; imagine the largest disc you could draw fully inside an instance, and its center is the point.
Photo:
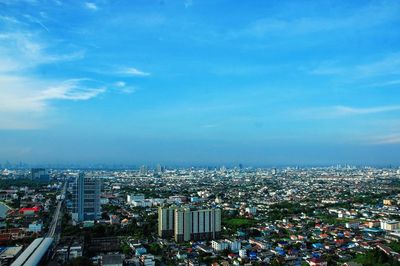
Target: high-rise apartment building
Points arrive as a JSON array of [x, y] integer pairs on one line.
[[86, 198], [166, 222], [186, 223]]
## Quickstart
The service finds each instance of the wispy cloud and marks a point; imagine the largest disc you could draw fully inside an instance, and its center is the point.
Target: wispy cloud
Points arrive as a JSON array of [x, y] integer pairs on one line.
[[122, 87], [33, 95], [387, 65], [133, 72], [25, 97], [210, 126], [25, 100], [385, 83], [37, 21], [343, 111], [69, 90], [368, 16], [22, 50], [388, 139], [91, 6], [120, 84]]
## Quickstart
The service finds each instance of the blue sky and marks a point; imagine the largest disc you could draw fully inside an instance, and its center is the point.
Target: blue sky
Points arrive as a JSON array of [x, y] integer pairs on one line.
[[200, 82]]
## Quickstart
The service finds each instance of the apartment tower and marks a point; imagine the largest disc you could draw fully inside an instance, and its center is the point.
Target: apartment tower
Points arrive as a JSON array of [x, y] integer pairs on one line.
[[185, 224]]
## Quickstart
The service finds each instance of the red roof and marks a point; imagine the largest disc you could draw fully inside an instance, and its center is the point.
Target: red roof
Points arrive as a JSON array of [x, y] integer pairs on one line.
[[34, 209], [315, 260]]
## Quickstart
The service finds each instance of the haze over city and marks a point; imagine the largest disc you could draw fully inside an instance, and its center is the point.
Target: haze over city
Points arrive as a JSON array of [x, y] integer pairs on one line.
[[200, 82]]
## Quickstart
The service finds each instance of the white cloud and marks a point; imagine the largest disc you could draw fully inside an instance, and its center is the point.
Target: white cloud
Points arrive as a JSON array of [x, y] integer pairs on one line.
[[122, 87], [385, 83], [91, 6], [343, 111], [210, 126], [385, 66], [26, 99], [26, 94], [120, 84], [134, 72], [389, 139], [22, 51], [368, 16], [69, 90]]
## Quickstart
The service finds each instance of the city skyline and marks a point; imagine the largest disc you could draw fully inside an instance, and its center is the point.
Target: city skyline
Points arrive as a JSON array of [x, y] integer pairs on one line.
[[200, 82]]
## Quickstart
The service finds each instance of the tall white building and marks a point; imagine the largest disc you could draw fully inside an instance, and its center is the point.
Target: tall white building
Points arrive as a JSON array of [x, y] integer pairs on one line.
[[166, 222], [86, 198]]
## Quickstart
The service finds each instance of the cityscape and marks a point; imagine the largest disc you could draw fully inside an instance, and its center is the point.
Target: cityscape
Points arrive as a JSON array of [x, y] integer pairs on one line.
[[339, 215], [199, 133]]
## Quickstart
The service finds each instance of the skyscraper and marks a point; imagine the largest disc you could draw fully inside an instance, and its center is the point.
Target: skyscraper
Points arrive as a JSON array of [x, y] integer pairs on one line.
[[186, 223], [143, 171], [159, 169], [86, 198]]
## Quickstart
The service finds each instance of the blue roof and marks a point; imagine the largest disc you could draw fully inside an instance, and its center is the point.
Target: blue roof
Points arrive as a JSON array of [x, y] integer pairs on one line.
[[317, 245], [253, 255], [373, 230]]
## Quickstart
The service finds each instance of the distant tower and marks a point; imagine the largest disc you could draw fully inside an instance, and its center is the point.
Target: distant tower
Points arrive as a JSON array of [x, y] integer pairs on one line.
[[143, 170], [40, 174], [86, 198], [159, 169], [222, 169]]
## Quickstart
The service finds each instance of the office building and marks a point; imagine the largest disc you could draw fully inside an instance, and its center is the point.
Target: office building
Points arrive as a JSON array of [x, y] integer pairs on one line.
[[40, 174], [86, 198], [186, 224]]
